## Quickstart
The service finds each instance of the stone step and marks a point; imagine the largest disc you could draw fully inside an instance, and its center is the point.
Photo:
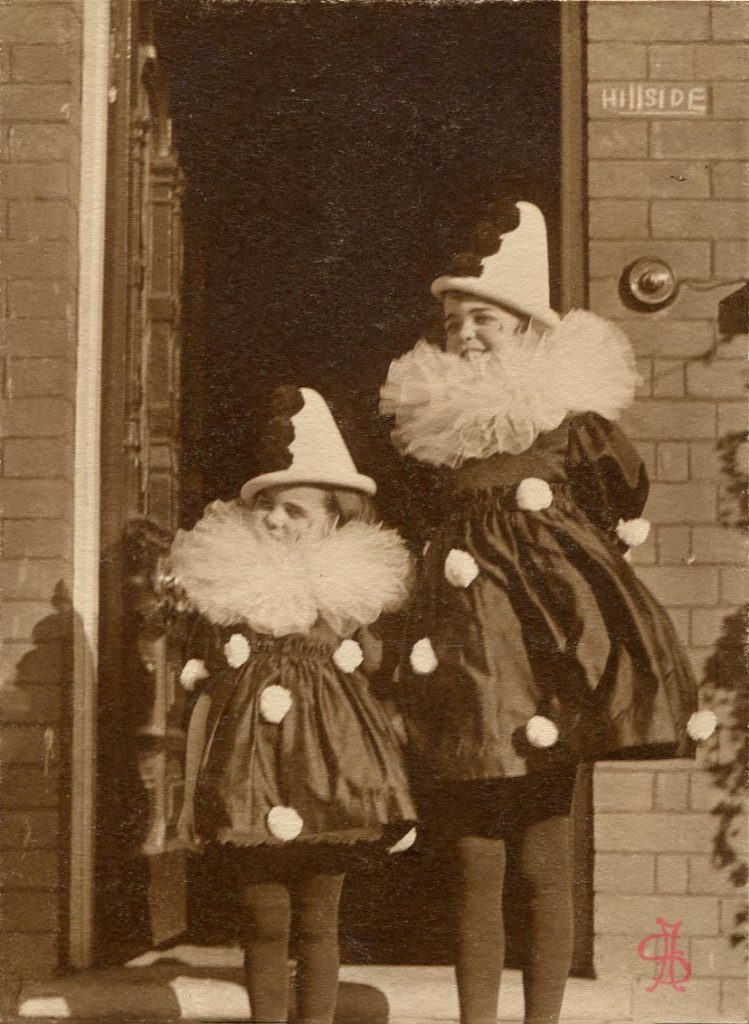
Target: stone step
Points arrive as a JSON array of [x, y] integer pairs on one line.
[[205, 983]]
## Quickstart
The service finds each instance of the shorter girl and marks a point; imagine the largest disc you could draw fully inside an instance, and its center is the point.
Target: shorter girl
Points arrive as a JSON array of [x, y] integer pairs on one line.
[[533, 644], [290, 758]]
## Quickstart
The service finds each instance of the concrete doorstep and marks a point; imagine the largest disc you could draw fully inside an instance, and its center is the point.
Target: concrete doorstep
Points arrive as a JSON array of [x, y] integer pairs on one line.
[[205, 983]]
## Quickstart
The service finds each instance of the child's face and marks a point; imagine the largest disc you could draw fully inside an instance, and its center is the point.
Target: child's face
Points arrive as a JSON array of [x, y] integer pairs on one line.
[[475, 328], [286, 513]]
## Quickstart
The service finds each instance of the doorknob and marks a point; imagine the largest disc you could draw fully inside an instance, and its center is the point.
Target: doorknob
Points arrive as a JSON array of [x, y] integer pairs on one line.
[[649, 283]]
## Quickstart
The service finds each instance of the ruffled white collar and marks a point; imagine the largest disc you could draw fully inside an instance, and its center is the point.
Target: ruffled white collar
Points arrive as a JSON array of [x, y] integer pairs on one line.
[[232, 575], [448, 410]]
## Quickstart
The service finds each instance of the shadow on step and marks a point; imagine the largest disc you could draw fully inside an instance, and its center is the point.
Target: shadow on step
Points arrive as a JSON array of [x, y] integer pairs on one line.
[[173, 990]]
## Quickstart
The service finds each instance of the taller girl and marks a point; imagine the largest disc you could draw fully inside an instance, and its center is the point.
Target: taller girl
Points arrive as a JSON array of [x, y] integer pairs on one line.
[[533, 643]]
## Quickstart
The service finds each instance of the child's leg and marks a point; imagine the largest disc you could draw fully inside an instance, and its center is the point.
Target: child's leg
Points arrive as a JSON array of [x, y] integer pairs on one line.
[[266, 961], [546, 866], [318, 954], [481, 937]]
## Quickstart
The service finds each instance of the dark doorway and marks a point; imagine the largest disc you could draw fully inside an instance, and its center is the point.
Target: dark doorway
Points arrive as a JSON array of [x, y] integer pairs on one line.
[[336, 155]]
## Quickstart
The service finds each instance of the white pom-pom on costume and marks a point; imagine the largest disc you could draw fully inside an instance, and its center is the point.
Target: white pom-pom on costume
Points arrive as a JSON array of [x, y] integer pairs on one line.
[[533, 494], [404, 843], [702, 725], [460, 568], [348, 656], [423, 659], [237, 650], [275, 702], [541, 731], [194, 670], [284, 823], [633, 531]]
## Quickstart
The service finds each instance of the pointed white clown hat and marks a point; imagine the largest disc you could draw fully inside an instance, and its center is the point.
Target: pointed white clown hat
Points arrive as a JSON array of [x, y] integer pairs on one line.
[[301, 444], [515, 273]]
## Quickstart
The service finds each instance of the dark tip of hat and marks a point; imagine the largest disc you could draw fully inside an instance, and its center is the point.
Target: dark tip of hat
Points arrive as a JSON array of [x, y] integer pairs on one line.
[[270, 449], [504, 214], [286, 400], [485, 238]]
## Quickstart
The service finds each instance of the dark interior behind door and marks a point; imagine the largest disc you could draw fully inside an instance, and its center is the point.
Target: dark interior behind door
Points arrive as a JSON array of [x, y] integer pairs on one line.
[[335, 156]]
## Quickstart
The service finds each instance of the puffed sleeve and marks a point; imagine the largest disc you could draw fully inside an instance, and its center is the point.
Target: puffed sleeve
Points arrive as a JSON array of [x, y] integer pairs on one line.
[[607, 477], [202, 657], [387, 653]]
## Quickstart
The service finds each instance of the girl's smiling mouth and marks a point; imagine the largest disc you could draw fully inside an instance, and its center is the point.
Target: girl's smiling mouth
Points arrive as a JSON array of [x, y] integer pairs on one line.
[[473, 353]]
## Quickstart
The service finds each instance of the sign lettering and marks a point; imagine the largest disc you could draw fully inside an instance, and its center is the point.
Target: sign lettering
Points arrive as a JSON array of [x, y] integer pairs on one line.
[[649, 99]]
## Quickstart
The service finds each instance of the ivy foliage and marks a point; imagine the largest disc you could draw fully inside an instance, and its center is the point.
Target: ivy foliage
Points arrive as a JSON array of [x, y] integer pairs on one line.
[[724, 687]]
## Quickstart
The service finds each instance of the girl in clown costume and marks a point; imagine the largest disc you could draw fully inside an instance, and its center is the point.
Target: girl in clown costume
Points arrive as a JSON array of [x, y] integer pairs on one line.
[[532, 645], [290, 758]]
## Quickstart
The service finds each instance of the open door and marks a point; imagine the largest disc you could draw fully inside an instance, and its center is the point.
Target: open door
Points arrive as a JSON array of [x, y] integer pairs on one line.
[[140, 876], [335, 155]]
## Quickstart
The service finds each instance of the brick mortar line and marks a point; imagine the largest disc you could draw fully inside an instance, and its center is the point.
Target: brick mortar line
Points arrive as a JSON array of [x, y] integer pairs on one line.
[[11, 724], [67, 126], [740, 43], [66, 201], [27, 889], [44, 644], [719, 282], [672, 81], [55, 808], [38, 558], [731, 43], [657, 119], [656, 851], [41, 81], [702, 161]]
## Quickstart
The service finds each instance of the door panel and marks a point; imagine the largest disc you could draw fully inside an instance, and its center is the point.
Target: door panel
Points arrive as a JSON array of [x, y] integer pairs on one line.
[[140, 894]]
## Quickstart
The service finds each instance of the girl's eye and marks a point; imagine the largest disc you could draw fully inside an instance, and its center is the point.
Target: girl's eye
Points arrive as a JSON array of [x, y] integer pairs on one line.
[[263, 504], [293, 512]]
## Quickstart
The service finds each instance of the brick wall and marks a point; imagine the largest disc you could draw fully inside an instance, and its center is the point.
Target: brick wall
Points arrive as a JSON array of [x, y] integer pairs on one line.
[[674, 188], [40, 67], [669, 187], [654, 839]]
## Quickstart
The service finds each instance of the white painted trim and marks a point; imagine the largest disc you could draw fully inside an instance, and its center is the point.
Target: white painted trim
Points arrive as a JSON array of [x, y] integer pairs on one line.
[[86, 487]]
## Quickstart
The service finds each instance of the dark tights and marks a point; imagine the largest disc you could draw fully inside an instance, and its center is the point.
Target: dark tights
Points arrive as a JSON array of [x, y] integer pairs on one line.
[[268, 897], [543, 848]]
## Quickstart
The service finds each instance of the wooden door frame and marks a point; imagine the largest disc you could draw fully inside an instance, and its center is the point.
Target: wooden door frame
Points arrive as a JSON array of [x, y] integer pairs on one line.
[[574, 279], [574, 270], [87, 533]]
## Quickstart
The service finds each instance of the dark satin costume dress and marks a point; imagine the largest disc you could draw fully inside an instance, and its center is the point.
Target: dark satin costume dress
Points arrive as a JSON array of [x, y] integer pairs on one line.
[[334, 757], [556, 623]]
